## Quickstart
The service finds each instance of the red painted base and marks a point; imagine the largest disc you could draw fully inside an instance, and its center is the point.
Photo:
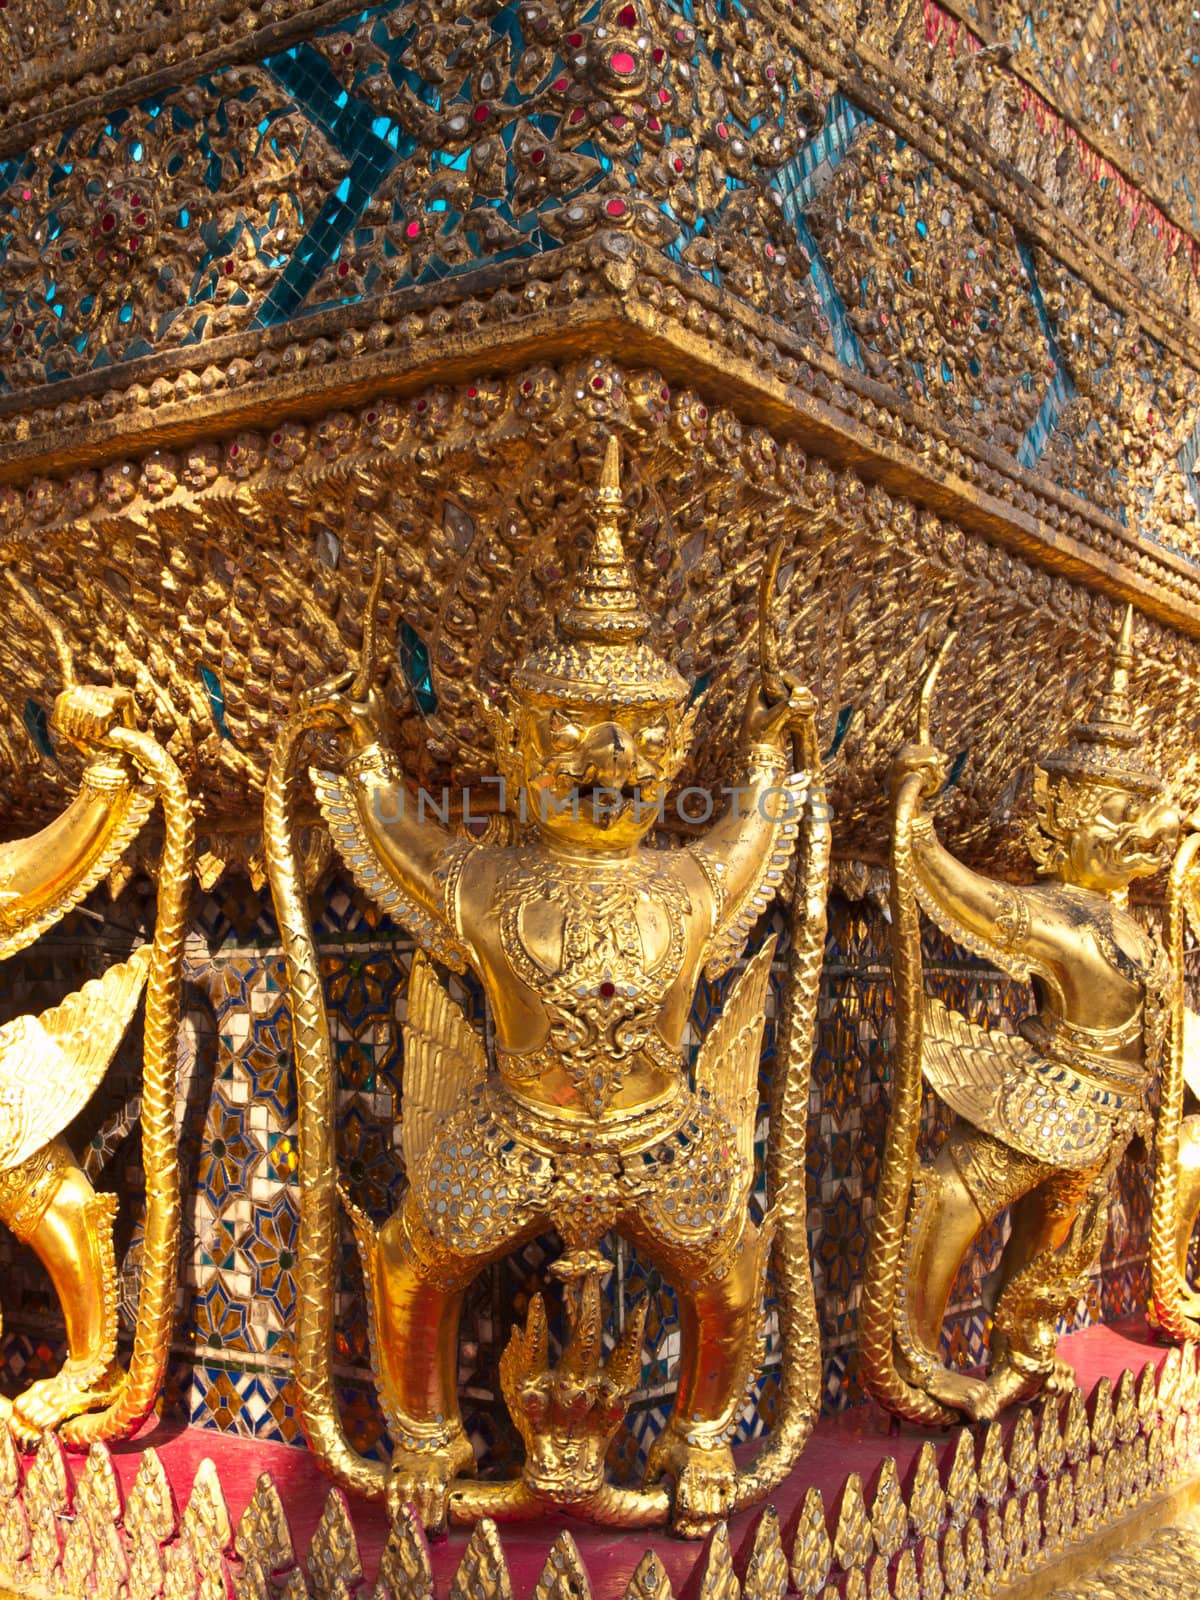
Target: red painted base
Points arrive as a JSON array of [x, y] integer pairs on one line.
[[856, 1441]]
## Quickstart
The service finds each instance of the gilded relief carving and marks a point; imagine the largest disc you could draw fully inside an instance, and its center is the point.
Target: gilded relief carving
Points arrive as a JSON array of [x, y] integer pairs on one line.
[[170, 221], [52, 1064], [396, 287], [581, 1116], [935, 288], [616, 118], [1175, 1304], [1126, 413]]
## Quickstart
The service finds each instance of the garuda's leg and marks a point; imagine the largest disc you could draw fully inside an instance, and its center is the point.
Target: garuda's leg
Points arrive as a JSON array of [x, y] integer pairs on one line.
[[1057, 1231], [418, 1267], [715, 1259], [50, 1204], [720, 1327], [967, 1185]]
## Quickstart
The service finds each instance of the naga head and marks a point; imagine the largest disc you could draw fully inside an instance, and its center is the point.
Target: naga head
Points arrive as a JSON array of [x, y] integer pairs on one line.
[[601, 723], [1102, 819], [568, 1414]]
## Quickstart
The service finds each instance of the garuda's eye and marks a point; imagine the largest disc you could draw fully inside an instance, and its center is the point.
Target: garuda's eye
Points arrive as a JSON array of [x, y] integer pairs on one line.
[[654, 740], [564, 734]]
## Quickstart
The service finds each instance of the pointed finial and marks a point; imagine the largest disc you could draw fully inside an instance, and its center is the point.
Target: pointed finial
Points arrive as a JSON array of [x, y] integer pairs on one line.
[[1115, 705], [601, 653], [610, 474], [606, 605], [1101, 748]]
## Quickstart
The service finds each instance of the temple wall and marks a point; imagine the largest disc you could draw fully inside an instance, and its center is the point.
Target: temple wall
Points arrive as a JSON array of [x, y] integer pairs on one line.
[[911, 289]]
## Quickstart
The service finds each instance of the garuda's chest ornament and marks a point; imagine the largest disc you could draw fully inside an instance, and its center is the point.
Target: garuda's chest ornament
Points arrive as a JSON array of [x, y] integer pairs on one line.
[[51, 1066], [580, 1116], [1043, 1116], [602, 951]]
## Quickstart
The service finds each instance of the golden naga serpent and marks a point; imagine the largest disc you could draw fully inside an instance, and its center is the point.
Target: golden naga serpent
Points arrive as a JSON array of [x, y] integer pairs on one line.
[[1168, 1286], [142, 1381], [898, 1166], [160, 1156], [801, 1367]]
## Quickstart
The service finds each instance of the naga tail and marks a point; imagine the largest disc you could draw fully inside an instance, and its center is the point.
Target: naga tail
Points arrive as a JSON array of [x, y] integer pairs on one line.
[[800, 1397], [318, 1231], [877, 1318], [1166, 1269], [156, 1301]]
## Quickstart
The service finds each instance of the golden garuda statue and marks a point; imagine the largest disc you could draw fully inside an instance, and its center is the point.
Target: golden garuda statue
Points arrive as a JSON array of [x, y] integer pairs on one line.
[[51, 1066], [1174, 1304], [1043, 1117], [588, 943]]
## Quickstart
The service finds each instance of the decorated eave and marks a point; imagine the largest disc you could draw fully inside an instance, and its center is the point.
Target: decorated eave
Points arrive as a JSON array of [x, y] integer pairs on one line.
[[871, 291]]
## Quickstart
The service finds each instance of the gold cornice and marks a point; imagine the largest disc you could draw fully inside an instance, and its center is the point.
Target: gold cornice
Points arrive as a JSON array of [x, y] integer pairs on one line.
[[748, 360]]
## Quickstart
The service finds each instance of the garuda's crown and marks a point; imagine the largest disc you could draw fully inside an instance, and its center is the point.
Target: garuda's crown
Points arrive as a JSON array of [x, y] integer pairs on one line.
[[1102, 750], [600, 654]]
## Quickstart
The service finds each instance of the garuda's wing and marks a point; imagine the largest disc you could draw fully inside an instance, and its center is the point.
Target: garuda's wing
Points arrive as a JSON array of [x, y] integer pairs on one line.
[[51, 1065], [728, 1062], [444, 1059], [339, 807], [17, 932], [1001, 1084]]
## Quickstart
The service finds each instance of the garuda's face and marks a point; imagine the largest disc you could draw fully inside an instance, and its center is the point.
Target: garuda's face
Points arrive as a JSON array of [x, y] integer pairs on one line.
[[1122, 836], [597, 776]]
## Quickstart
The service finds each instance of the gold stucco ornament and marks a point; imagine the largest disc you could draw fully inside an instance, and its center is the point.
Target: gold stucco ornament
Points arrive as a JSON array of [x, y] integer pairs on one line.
[[577, 1114], [1043, 1116], [51, 1065]]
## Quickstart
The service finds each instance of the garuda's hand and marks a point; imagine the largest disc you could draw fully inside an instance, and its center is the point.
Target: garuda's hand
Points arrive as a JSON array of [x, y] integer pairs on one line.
[[86, 714], [924, 759], [334, 708], [775, 720]]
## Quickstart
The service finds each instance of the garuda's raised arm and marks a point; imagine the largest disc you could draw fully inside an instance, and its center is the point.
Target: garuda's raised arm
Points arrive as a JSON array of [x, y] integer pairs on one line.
[[400, 855], [747, 850], [989, 917], [42, 877]]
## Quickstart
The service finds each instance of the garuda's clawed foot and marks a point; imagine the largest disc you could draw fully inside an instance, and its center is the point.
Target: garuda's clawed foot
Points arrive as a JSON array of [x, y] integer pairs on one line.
[[1009, 1384], [704, 1477], [422, 1478], [957, 1391], [1061, 1378], [76, 1388]]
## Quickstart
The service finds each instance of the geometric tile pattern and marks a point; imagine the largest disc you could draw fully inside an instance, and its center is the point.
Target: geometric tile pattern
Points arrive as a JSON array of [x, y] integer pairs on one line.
[[237, 1116]]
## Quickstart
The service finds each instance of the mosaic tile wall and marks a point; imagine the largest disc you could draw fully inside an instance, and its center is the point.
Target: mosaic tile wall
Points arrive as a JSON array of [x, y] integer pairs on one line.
[[238, 1149]]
